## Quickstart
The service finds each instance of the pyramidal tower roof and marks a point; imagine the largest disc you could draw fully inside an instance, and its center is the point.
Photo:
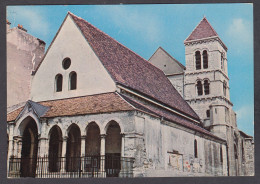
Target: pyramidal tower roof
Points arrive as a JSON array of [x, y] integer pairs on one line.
[[203, 30]]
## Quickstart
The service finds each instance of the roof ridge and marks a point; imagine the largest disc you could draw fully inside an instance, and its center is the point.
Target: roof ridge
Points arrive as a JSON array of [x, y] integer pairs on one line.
[[211, 26], [74, 97], [108, 36]]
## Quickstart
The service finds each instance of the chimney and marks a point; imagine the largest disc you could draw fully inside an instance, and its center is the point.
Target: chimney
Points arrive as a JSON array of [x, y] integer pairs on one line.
[[21, 27], [7, 25]]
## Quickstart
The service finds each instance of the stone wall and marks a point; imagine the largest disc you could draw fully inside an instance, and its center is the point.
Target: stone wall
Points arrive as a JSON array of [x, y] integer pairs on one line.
[[24, 52], [177, 81]]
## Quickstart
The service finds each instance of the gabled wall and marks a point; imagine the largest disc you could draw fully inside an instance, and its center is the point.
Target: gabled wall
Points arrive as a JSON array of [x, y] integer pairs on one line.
[[92, 77]]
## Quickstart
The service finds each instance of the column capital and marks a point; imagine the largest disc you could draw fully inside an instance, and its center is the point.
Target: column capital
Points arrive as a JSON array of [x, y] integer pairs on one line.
[[18, 138], [43, 138], [103, 135], [64, 138], [83, 137]]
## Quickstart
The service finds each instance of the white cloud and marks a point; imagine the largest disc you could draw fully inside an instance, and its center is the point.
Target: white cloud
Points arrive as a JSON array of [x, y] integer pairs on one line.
[[241, 32], [244, 112], [31, 17], [145, 24]]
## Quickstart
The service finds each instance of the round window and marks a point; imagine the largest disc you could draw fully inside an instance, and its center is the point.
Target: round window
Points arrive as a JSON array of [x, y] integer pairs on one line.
[[66, 63]]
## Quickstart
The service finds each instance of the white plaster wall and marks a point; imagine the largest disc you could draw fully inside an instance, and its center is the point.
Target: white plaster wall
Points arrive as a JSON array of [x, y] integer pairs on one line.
[[92, 77]]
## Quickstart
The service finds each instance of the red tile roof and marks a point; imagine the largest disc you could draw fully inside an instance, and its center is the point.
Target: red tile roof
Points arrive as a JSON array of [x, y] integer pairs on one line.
[[101, 103], [131, 70], [203, 30], [167, 115]]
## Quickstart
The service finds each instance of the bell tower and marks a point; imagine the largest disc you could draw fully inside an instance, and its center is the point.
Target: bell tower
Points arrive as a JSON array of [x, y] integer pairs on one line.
[[206, 86]]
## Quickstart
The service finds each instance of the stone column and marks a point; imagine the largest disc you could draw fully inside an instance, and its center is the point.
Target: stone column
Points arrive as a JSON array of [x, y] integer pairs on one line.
[[11, 141], [83, 143], [19, 146], [63, 154], [10, 152], [43, 146], [123, 145], [102, 154], [123, 160]]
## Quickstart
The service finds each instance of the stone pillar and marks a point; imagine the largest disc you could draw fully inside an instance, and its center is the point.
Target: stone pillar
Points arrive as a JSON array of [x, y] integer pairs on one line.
[[43, 146], [225, 160], [19, 146], [123, 145], [102, 154], [63, 154], [11, 141], [10, 152], [83, 143], [122, 160]]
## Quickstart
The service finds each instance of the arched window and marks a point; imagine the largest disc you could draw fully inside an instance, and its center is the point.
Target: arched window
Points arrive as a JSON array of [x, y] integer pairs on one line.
[[73, 80], [222, 61], [198, 60], [221, 154], [243, 151], [205, 59], [58, 81], [206, 87], [208, 113], [199, 88], [225, 88], [195, 149]]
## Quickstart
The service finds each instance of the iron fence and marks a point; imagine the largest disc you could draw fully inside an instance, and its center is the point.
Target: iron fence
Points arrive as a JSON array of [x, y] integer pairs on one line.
[[71, 167]]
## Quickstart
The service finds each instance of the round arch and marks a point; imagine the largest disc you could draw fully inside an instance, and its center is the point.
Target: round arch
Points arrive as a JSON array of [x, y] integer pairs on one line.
[[55, 148], [29, 133], [73, 148], [92, 147], [113, 148], [108, 122], [22, 122]]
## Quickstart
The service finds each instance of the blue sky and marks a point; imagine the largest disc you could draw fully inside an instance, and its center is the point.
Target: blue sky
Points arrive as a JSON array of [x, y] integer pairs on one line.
[[143, 28]]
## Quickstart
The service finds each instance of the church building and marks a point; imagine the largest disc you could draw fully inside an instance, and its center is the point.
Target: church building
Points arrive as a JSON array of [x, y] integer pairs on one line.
[[97, 109]]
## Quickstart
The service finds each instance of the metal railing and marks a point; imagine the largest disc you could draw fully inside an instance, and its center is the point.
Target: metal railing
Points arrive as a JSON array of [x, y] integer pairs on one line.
[[71, 167]]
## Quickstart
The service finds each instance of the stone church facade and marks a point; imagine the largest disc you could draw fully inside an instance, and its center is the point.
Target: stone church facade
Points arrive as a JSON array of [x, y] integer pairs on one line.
[[97, 109]]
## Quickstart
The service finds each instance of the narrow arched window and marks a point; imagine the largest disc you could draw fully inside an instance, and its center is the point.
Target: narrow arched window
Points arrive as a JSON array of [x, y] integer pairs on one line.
[[243, 151], [205, 59], [225, 88], [221, 154], [58, 81], [198, 60], [208, 113], [73, 80], [206, 87], [195, 149], [199, 88]]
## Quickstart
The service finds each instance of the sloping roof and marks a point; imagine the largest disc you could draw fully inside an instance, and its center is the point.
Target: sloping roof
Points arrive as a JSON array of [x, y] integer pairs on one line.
[[131, 70], [101, 103], [244, 134], [203, 30], [167, 115]]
